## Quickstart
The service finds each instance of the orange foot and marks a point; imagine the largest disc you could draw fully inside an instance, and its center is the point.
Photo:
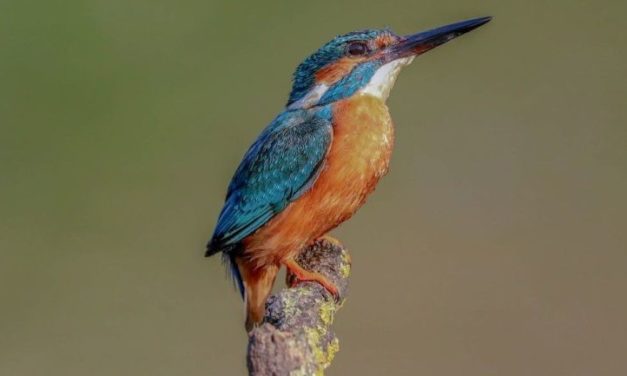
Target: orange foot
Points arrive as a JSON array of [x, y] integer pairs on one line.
[[306, 275]]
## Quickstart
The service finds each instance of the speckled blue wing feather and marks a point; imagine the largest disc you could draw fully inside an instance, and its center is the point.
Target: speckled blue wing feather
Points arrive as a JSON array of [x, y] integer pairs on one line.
[[277, 169]]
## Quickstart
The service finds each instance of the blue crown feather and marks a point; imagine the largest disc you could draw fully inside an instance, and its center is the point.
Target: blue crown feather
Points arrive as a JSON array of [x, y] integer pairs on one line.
[[304, 76]]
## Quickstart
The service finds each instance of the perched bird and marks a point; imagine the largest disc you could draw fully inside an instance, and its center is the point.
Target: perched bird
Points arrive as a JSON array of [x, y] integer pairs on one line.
[[314, 165]]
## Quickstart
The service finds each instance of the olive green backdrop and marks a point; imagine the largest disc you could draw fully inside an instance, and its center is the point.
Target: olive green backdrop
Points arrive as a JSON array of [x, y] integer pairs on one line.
[[495, 246]]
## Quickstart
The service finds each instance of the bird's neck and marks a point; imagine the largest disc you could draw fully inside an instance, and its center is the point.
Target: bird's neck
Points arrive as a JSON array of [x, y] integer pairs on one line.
[[367, 79]]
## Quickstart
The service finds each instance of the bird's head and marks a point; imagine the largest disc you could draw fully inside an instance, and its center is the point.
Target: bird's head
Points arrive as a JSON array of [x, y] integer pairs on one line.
[[366, 61]]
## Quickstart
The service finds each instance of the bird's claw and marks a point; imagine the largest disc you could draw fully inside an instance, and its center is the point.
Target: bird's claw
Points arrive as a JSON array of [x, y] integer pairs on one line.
[[299, 274]]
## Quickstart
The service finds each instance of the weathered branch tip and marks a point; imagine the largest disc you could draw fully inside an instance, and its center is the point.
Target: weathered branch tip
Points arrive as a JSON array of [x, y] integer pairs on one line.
[[296, 337]]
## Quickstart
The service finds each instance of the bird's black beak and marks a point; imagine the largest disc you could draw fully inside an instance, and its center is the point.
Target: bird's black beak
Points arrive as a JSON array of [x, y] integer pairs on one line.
[[419, 43]]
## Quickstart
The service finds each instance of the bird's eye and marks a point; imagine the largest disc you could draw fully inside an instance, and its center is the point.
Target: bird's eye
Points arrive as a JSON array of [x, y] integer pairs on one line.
[[357, 49]]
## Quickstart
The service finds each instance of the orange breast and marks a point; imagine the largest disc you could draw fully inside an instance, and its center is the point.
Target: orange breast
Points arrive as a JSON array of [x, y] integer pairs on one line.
[[363, 137]]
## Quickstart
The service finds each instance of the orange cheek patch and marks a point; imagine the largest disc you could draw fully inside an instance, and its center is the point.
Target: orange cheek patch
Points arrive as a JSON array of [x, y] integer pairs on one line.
[[332, 73]]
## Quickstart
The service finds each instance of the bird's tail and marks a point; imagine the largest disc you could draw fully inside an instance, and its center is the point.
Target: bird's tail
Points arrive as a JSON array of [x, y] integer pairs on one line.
[[228, 259], [257, 282]]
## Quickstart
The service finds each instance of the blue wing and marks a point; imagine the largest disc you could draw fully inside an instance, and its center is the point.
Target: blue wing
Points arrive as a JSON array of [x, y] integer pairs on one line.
[[277, 169]]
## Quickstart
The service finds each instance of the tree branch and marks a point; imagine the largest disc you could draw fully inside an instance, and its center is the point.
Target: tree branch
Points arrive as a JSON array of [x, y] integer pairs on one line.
[[296, 338]]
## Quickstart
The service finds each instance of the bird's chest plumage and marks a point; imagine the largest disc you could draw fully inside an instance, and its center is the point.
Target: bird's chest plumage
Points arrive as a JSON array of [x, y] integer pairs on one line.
[[363, 137]]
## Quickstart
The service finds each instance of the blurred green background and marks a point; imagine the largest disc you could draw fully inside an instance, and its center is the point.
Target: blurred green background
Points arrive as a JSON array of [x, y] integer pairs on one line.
[[495, 246]]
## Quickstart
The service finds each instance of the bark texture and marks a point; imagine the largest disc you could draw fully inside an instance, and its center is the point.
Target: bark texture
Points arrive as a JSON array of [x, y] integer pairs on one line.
[[295, 337]]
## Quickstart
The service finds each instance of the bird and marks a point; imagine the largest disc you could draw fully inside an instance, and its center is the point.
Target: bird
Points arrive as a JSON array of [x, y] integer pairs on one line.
[[314, 165]]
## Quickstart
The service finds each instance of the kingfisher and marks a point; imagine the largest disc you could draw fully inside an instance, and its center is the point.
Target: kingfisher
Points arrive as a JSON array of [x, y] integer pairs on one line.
[[315, 164]]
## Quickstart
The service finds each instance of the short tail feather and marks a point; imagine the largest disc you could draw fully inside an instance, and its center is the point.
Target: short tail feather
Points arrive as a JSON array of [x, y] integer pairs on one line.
[[228, 259], [254, 283], [258, 284], [231, 266]]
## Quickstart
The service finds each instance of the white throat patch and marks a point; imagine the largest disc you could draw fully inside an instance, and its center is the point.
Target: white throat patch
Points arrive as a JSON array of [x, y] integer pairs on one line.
[[384, 78], [311, 98]]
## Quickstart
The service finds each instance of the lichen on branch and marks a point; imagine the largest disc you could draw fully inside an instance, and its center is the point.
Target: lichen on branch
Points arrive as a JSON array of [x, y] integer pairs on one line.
[[295, 337]]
